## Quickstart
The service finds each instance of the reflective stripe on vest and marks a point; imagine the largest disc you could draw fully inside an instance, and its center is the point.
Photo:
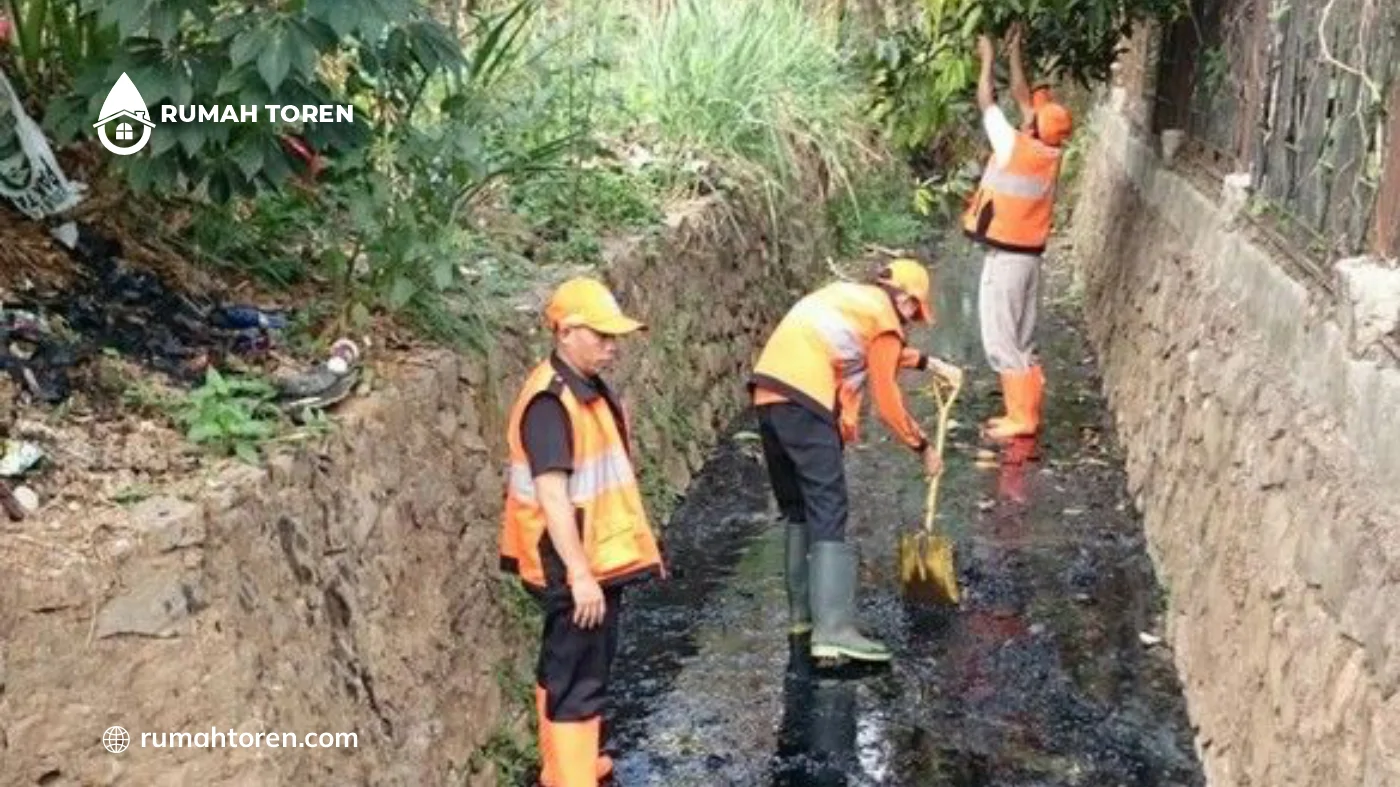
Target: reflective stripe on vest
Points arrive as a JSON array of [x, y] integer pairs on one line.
[[590, 479], [818, 353], [837, 330], [607, 504], [1014, 204], [1003, 181]]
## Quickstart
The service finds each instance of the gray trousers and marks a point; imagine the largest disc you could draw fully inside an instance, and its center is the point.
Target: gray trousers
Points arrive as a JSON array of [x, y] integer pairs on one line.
[[1006, 306]]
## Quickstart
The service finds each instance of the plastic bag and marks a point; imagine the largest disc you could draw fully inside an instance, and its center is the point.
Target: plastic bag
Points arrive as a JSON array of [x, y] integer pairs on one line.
[[30, 177]]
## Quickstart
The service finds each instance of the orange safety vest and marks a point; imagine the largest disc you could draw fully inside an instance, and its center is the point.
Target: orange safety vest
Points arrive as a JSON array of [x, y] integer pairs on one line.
[[1012, 207], [817, 354], [612, 523]]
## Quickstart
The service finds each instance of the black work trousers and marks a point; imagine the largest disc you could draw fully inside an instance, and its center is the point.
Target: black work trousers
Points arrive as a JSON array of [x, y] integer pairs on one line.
[[575, 664], [804, 456]]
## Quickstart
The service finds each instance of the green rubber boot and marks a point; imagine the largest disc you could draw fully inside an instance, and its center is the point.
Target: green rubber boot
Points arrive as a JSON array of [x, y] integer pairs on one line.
[[799, 610], [834, 634]]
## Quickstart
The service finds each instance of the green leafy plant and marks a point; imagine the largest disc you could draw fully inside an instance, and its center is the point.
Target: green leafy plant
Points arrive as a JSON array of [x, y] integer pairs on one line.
[[507, 753], [876, 211], [375, 54], [923, 76], [572, 210], [385, 224], [230, 415]]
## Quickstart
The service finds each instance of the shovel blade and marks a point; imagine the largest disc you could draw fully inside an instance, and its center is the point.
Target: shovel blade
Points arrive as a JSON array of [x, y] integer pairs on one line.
[[927, 569]]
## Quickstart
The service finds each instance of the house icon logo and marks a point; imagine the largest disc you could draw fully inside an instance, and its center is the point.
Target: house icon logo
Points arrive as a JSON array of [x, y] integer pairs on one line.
[[124, 111]]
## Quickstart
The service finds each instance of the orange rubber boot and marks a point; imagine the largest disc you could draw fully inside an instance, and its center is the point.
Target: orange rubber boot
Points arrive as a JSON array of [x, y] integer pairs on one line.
[[1024, 391], [1008, 402], [576, 752], [549, 770], [1037, 395]]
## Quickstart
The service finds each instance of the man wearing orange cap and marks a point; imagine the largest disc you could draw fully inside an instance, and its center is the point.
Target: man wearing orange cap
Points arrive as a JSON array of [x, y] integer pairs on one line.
[[1011, 214], [807, 388], [574, 529]]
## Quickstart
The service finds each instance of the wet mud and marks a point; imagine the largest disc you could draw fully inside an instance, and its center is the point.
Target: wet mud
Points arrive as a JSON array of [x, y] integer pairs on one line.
[[1041, 675]]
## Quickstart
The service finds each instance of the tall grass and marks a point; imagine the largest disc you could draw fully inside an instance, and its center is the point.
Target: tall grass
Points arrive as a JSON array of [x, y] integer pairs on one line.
[[756, 82]]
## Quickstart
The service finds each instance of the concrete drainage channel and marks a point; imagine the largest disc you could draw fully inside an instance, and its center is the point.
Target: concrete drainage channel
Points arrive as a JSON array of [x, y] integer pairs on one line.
[[1048, 674]]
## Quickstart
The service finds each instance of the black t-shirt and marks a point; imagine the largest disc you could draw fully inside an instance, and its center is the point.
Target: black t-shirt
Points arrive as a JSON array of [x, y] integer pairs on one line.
[[545, 429], [547, 435]]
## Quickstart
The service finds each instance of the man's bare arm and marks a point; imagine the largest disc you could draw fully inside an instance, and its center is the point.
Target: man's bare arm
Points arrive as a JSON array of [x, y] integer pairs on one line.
[[986, 96], [553, 490], [1020, 89]]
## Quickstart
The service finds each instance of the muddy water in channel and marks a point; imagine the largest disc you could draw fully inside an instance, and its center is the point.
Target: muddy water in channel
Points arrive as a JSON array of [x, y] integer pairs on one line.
[[1040, 677]]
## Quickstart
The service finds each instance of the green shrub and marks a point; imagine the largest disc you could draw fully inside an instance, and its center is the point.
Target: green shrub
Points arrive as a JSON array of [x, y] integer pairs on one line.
[[880, 210]]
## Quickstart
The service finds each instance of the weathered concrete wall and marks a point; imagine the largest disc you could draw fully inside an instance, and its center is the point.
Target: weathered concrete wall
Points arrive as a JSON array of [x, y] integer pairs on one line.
[[352, 585], [1263, 451]]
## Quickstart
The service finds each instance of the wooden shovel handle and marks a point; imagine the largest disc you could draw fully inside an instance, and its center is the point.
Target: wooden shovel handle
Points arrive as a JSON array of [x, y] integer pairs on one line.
[[945, 408]]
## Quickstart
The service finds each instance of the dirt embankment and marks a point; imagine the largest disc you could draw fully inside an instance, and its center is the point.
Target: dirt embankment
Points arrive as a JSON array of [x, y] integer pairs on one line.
[[351, 585]]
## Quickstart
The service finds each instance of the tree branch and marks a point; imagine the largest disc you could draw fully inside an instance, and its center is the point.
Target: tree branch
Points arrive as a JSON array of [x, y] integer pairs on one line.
[[1328, 59]]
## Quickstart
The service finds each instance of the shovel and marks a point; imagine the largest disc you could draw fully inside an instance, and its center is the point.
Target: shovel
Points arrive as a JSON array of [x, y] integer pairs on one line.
[[926, 566]]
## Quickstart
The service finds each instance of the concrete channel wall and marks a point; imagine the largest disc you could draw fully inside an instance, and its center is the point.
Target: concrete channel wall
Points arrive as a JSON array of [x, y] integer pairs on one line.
[[1258, 412]]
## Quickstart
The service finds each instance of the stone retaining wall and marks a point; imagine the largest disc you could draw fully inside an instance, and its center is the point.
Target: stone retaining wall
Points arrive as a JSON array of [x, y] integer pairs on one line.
[[1258, 415]]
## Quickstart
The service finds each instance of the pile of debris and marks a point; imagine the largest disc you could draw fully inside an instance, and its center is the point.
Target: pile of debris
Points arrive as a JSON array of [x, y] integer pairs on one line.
[[69, 295], [113, 307]]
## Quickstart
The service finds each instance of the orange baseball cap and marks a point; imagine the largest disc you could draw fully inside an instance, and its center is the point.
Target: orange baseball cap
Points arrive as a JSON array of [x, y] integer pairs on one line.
[[912, 279], [588, 302]]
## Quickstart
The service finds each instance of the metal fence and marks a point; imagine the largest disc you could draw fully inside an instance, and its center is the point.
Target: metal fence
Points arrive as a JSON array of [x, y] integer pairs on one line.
[[1304, 95]]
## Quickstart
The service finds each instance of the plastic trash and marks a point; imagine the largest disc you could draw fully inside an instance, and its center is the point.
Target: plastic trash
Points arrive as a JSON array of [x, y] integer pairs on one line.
[[30, 177], [27, 498], [241, 317], [344, 354], [19, 457]]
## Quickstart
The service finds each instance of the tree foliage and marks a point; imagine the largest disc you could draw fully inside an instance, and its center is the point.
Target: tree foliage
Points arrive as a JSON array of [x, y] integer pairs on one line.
[[375, 54], [924, 76], [384, 218]]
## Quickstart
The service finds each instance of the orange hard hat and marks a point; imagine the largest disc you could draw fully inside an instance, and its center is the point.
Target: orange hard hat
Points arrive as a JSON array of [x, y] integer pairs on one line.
[[588, 302], [1053, 123], [911, 278]]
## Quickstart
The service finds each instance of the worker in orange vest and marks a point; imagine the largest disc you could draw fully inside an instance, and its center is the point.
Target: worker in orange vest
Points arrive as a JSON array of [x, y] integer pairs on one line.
[[1010, 214], [574, 530], [807, 387]]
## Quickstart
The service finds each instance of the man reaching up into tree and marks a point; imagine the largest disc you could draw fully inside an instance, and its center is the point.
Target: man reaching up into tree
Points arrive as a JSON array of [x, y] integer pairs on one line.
[[1010, 214]]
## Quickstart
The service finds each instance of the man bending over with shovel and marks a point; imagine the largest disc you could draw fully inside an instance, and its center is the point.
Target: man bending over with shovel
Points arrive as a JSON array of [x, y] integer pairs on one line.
[[807, 387]]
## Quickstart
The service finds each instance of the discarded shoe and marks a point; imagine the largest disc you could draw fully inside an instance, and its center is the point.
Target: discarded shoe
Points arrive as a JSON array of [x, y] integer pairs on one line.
[[319, 388]]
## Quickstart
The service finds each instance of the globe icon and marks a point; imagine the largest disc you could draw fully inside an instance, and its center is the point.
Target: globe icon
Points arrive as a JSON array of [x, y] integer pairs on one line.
[[116, 739]]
